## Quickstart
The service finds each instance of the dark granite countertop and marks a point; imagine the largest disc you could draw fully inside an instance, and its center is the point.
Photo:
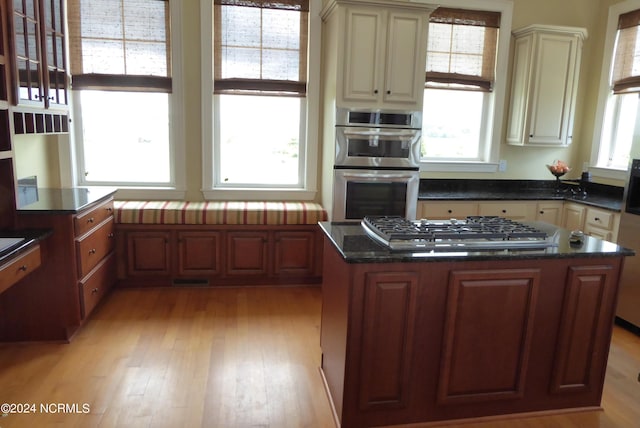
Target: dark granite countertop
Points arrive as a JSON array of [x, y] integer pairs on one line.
[[588, 193], [352, 242], [65, 201], [29, 237]]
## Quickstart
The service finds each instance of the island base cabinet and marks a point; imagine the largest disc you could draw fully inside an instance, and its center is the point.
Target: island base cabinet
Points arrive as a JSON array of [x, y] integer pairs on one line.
[[416, 342]]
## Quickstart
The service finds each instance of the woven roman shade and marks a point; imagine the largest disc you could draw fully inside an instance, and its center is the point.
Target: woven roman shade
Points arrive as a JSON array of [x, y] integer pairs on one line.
[[120, 45], [461, 52], [626, 63], [260, 47]]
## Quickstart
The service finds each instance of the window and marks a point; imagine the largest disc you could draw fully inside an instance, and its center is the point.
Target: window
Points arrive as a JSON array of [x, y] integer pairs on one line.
[[123, 93], [464, 86], [260, 99], [620, 90]]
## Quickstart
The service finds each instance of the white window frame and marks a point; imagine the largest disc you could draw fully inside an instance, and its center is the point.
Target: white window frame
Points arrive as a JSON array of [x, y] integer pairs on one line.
[[71, 154], [494, 103], [605, 93], [308, 191]]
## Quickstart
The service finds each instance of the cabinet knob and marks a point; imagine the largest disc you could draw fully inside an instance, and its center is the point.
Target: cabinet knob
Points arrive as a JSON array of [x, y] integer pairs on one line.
[[541, 212], [92, 251], [504, 211], [110, 235], [449, 211], [109, 209], [94, 291], [375, 91], [90, 220], [596, 219], [23, 268], [388, 92]]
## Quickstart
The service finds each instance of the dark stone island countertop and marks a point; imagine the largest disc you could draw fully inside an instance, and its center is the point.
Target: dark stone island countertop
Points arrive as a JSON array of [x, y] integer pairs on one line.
[[588, 193], [353, 244]]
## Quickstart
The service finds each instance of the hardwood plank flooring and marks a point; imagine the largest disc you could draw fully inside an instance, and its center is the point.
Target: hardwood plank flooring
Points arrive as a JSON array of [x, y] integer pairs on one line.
[[222, 357]]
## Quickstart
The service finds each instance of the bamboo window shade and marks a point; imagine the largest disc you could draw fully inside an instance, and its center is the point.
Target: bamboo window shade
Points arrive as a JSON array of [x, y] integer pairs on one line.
[[260, 47], [120, 44], [461, 52], [626, 63]]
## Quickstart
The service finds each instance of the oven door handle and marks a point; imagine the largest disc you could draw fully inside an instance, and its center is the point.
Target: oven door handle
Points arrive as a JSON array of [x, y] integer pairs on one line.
[[398, 134]]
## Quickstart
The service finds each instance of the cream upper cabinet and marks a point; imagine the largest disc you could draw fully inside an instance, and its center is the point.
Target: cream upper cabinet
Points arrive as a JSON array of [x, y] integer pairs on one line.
[[382, 57], [546, 66]]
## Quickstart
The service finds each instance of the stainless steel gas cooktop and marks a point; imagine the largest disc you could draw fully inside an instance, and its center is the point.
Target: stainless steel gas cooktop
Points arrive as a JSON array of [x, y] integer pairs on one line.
[[471, 233]]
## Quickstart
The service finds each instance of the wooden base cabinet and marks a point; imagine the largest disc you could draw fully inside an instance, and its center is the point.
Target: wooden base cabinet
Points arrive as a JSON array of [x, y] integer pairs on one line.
[[77, 271], [163, 255], [412, 342]]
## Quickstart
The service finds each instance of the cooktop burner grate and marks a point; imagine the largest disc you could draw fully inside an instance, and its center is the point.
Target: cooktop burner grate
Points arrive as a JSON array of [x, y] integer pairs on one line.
[[478, 232]]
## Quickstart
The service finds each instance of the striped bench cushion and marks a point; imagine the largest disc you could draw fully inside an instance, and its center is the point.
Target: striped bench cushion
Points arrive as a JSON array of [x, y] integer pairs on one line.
[[213, 212]]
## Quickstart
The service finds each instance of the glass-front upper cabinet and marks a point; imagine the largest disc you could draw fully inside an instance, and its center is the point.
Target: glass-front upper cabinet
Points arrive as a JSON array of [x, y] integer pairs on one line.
[[27, 46], [54, 41], [39, 53]]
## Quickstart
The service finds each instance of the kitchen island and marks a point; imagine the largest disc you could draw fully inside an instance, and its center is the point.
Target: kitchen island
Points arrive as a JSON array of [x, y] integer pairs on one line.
[[442, 334]]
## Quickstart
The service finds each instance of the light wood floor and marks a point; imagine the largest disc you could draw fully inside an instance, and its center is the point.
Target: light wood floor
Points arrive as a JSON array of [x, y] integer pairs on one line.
[[226, 357]]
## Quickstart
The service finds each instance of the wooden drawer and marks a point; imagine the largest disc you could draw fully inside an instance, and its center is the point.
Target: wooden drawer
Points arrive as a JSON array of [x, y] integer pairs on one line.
[[599, 218], [96, 284], [440, 210], [92, 248], [18, 268], [86, 221], [513, 210]]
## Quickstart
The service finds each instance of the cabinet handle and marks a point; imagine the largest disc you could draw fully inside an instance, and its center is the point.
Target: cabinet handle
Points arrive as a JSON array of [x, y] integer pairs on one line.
[[596, 219], [90, 220], [109, 209], [92, 251], [94, 291], [530, 135], [110, 235], [23, 268]]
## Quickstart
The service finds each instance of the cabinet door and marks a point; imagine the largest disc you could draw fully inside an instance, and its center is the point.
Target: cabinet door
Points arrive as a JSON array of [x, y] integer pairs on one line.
[[198, 253], [53, 38], [573, 216], [487, 337], [550, 212], [365, 35], [148, 253], [405, 59], [295, 253], [247, 253], [27, 48], [555, 75]]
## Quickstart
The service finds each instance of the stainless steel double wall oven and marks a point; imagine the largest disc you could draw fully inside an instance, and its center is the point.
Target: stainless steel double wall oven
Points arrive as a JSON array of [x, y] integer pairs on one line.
[[376, 163]]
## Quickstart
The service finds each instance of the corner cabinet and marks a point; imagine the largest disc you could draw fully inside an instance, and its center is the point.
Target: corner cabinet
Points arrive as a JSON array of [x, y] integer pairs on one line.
[[381, 54], [544, 85]]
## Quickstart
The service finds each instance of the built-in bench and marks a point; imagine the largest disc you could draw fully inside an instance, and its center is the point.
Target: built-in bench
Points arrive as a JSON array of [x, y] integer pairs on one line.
[[218, 242]]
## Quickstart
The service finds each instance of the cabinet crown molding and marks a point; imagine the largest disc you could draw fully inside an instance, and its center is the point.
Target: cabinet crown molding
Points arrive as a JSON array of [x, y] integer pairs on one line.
[[408, 4], [577, 31]]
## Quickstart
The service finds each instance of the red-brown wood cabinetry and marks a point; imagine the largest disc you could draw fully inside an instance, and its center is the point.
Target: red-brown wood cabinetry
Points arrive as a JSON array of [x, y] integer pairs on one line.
[[218, 254], [412, 342]]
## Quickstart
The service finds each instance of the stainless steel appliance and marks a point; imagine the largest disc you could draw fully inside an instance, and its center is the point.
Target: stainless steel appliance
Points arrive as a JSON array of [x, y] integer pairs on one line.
[[469, 234], [629, 237], [361, 192], [376, 163]]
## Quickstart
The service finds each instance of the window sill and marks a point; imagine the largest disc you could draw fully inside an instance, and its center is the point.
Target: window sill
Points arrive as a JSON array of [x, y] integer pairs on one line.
[[267, 194], [458, 167], [610, 173]]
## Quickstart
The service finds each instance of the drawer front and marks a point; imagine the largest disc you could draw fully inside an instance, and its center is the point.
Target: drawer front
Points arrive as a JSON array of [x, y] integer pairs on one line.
[[18, 268], [448, 211], [513, 210], [95, 286], [86, 221], [600, 218], [92, 248]]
